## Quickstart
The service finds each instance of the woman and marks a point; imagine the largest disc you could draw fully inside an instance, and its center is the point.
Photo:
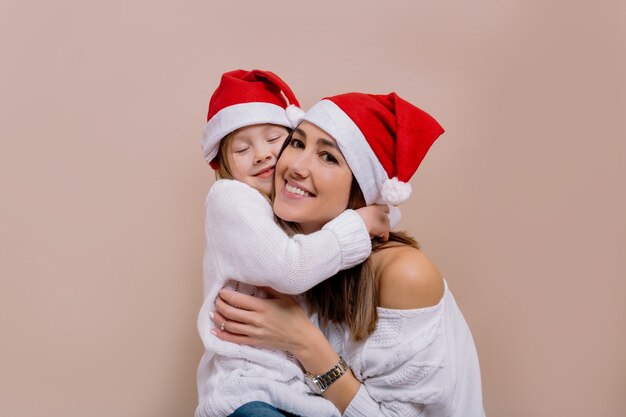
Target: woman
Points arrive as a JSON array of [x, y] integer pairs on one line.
[[391, 340]]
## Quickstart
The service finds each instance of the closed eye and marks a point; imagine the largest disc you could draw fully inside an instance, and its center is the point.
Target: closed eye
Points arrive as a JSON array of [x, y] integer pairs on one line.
[[273, 139], [242, 150]]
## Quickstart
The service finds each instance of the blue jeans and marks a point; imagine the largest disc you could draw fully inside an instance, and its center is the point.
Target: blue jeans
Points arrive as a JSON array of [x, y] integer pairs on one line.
[[259, 409]]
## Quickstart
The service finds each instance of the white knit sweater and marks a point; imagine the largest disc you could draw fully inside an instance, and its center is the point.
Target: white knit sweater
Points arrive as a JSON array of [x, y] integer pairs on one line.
[[419, 362], [246, 248]]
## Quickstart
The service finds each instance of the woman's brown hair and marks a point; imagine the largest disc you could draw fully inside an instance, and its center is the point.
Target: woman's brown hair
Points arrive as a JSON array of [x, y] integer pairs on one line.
[[351, 295]]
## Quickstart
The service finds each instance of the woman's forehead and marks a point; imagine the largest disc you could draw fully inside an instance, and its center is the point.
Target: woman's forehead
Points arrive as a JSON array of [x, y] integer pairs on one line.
[[312, 132]]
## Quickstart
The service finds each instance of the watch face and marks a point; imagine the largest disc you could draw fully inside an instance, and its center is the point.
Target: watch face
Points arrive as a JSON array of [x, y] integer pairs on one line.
[[312, 384]]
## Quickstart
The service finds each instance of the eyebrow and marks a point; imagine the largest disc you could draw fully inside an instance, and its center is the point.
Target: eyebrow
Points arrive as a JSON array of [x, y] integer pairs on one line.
[[326, 142], [320, 141], [300, 132]]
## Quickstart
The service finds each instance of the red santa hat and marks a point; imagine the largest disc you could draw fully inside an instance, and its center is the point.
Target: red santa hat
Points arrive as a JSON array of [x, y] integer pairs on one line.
[[383, 138], [246, 98]]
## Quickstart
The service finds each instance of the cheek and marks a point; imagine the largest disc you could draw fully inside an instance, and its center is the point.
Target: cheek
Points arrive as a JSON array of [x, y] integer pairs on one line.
[[282, 163], [240, 165], [276, 147], [338, 191], [344, 189]]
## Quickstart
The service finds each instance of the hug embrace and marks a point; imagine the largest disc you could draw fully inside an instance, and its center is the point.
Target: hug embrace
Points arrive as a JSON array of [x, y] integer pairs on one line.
[[313, 305]]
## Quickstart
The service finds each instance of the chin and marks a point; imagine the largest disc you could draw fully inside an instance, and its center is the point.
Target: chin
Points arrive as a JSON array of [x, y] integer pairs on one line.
[[290, 214], [264, 188], [284, 213]]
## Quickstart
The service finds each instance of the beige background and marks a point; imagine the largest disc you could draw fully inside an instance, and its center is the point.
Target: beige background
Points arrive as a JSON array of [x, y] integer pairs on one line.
[[521, 203]]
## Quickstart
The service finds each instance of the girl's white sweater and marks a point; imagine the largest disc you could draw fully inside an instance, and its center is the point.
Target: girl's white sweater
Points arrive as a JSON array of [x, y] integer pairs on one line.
[[245, 248]]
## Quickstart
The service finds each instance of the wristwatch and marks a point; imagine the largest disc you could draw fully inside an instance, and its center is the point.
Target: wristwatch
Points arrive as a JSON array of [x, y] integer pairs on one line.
[[320, 383]]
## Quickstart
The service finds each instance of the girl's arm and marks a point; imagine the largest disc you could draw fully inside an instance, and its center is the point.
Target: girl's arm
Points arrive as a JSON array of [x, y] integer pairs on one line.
[[249, 246]]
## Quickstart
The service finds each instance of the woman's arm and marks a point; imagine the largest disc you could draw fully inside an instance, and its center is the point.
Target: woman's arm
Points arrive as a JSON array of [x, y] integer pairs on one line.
[[280, 323]]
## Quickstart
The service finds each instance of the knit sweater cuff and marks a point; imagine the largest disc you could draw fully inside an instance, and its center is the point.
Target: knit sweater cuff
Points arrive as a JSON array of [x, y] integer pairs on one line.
[[354, 240], [362, 405]]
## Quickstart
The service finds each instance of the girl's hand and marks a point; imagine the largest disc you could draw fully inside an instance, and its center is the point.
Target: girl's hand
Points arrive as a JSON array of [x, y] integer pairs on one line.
[[276, 323], [376, 219]]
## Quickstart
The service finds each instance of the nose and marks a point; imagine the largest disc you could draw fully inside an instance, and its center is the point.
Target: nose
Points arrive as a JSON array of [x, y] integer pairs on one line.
[[299, 166]]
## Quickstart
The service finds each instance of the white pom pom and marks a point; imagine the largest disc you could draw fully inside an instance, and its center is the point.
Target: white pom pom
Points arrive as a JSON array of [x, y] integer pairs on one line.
[[395, 192], [294, 114]]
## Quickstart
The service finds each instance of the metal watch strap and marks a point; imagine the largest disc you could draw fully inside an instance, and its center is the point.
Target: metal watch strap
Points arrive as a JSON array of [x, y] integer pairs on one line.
[[324, 381]]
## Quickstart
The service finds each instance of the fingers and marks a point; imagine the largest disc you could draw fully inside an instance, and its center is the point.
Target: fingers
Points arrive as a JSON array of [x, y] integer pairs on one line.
[[236, 338], [242, 301], [385, 223], [224, 326], [233, 332], [231, 312], [382, 207]]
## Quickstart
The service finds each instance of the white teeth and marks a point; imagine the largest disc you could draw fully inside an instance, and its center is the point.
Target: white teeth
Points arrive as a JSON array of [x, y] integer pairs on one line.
[[296, 190]]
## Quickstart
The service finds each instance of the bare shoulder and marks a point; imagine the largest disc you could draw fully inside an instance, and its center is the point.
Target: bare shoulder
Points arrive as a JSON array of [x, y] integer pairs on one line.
[[407, 278]]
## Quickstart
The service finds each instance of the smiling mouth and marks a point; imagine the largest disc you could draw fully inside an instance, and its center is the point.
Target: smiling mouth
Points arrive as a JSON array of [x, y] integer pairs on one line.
[[291, 189], [266, 173]]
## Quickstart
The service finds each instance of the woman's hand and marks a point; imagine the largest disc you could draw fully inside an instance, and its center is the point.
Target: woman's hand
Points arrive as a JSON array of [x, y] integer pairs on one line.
[[277, 322], [280, 323]]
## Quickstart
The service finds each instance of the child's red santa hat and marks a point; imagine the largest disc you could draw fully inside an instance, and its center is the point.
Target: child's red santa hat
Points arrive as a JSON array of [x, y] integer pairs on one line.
[[246, 98], [383, 138]]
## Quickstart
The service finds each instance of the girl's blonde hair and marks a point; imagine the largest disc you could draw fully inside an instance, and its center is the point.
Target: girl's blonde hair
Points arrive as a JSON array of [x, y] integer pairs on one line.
[[223, 171]]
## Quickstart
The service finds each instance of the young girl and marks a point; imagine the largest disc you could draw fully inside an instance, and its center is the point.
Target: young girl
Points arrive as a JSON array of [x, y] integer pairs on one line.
[[248, 122]]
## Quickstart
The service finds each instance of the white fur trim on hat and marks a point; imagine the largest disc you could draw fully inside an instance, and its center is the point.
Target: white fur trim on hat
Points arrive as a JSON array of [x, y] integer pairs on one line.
[[295, 114], [395, 192], [364, 164], [394, 215], [237, 116]]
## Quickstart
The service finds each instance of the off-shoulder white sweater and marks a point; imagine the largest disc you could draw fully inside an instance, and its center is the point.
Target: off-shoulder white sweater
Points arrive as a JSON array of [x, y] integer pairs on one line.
[[419, 362], [245, 248]]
